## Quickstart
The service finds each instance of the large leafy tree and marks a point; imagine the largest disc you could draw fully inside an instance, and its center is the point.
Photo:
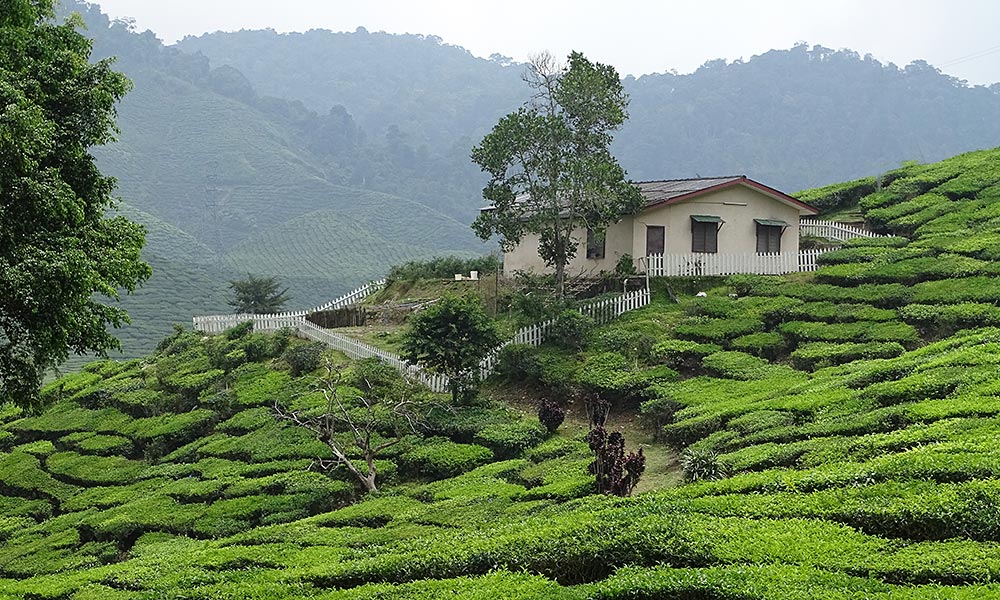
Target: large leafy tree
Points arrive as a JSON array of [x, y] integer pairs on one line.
[[551, 170], [451, 337], [257, 295], [60, 249]]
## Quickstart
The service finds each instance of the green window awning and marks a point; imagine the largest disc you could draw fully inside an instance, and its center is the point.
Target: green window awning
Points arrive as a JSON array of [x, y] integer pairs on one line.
[[771, 222], [705, 219]]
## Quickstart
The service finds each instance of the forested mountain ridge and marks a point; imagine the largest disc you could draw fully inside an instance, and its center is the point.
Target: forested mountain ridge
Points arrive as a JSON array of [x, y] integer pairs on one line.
[[375, 127], [795, 118], [217, 173]]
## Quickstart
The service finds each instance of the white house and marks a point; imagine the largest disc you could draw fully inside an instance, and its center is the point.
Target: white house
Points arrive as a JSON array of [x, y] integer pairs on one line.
[[700, 223]]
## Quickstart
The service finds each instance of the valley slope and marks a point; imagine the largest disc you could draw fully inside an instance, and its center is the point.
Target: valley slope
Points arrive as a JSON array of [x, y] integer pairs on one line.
[[838, 430]]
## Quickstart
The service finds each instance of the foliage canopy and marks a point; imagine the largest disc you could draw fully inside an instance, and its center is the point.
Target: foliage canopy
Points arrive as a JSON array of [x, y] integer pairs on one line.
[[58, 247], [550, 167], [257, 295], [451, 337]]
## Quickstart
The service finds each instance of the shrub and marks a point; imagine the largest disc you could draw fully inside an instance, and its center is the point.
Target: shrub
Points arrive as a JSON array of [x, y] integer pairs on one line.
[[94, 469], [839, 313], [550, 414], [23, 473], [657, 412], [615, 473], [922, 385], [955, 291], [461, 423], [556, 447], [441, 457], [761, 420], [170, 430], [632, 343], [716, 330], [701, 465], [105, 445], [443, 267], [607, 371], [767, 345], [804, 331], [689, 431], [518, 362], [557, 370], [271, 442], [839, 195], [239, 331], [247, 420], [869, 253], [737, 365], [817, 355], [508, 440], [625, 267], [570, 330], [753, 285], [683, 354], [940, 321], [303, 358], [67, 417]]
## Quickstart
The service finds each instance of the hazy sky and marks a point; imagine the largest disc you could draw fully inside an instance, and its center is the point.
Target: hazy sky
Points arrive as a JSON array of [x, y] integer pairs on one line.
[[637, 37]]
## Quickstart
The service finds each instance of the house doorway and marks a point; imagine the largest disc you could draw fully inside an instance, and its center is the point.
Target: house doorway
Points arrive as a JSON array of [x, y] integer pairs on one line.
[[654, 239]]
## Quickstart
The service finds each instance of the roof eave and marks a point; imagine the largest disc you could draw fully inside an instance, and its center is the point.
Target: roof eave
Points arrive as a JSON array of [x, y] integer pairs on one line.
[[803, 208]]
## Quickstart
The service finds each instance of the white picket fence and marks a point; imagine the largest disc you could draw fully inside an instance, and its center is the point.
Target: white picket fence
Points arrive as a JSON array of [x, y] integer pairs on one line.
[[272, 322], [689, 265], [357, 349], [807, 258], [833, 230], [602, 312], [674, 265]]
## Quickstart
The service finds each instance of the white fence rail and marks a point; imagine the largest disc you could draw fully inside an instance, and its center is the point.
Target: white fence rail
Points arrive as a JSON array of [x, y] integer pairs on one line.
[[688, 265], [271, 322], [807, 259], [602, 312], [674, 265], [357, 349], [833, 230]]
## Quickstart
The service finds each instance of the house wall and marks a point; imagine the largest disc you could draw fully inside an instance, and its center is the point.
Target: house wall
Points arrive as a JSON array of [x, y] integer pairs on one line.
[[738, 206], [617, 242]]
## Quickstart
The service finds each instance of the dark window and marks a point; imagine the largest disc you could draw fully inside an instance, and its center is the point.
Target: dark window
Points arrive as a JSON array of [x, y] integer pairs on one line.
[[705, 233], [595, 244], [654, 239], [769, 235]]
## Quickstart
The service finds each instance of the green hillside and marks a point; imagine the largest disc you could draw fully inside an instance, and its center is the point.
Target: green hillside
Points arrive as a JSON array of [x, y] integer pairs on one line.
[[237, 147], [315, 250], [228, 182], [838, 431]]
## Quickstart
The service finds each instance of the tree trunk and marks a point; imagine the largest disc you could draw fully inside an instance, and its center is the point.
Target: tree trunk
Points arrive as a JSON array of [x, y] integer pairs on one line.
[[561, 279], [367, 480]]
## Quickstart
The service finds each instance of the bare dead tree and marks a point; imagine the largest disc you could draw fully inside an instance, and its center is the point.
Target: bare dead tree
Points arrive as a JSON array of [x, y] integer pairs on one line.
[[356, 419]]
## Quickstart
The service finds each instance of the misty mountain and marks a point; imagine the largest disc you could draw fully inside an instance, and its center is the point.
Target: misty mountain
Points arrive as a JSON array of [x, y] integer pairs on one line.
[[794, 118], [323, 158], [230, 182]]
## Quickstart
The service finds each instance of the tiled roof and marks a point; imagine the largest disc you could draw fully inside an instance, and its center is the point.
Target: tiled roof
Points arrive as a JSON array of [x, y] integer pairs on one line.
[[669, 191], [656, 192]]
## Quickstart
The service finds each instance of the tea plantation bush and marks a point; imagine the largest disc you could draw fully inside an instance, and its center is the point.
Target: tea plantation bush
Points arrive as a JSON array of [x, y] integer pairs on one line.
[[870, 472]]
